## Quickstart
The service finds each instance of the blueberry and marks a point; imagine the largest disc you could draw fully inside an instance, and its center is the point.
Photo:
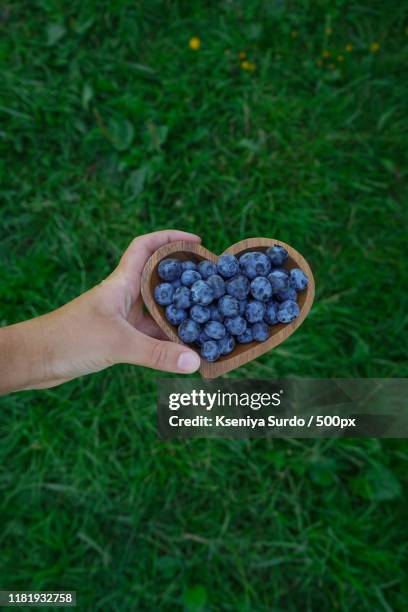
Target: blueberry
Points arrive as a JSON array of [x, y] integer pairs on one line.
[[201, 293], [182, 297], [210, 351], [260, 331], [176, 284], [271, 313], [246, 336], [235, 325], [254, 264], [228, 306], [288, 311], [202, 337], [188, 331], [286, 294], [217, 284], [227, 266], [174, 315], [206, 268], [277, 254], [238, 287], [279, 280], [200, 314], [254, 311], [169, 269], [226, 344], [244, 257], [215, 330], [242, 306], [188, 265], [215, 314], [261, 288], [298, 279], [189, 277], [163, 294]]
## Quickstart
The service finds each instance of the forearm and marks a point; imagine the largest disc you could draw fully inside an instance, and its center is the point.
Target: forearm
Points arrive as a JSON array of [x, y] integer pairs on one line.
[[47, 350], [24, 355]]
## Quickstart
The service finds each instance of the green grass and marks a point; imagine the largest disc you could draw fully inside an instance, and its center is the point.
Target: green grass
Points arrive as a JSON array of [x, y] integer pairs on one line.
[[110, 126]]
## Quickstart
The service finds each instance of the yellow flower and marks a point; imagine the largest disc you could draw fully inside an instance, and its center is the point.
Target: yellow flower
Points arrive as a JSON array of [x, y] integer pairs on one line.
[[194, 43], [294, 34], [328, 31], [374, 47], [349, 48], [242, 55], [248, 66], [406, 31], [319, 62], [340, 58], [332, 66], [326, 53]]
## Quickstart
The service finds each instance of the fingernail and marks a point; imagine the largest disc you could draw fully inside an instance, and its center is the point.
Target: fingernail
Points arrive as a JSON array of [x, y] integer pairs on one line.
[[188, 362]]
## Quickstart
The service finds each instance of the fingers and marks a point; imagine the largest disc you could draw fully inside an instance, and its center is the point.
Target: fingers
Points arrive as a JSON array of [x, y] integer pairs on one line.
[[149, 327], [159, 354], [142, 247]]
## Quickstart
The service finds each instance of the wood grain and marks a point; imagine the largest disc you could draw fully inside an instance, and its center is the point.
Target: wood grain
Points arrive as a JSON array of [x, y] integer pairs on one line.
[[243, 353]]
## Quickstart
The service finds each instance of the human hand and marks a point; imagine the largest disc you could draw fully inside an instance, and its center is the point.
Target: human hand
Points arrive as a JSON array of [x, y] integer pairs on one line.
[[102, 327]]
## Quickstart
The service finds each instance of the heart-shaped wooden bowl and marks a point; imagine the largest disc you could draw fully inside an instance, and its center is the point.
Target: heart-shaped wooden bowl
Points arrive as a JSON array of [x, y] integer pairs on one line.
[[243, 353]]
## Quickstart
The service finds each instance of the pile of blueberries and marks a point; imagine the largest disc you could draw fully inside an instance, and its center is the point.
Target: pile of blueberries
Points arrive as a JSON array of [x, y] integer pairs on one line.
[[233, 301]]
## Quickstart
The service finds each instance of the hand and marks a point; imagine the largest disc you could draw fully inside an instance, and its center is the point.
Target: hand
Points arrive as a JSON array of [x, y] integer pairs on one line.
[[100, 328]]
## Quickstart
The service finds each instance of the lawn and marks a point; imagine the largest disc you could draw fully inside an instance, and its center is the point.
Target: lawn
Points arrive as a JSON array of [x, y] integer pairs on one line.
[[287, 121]]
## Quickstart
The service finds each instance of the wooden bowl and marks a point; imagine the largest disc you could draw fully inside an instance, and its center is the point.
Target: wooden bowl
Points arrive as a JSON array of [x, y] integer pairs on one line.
[[243, 353]]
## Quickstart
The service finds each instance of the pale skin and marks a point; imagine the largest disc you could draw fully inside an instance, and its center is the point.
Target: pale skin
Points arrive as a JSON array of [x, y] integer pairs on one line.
[[102, 327]]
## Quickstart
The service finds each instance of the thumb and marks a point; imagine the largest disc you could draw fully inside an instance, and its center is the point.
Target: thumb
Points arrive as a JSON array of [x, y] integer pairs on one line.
[[161, 355]]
